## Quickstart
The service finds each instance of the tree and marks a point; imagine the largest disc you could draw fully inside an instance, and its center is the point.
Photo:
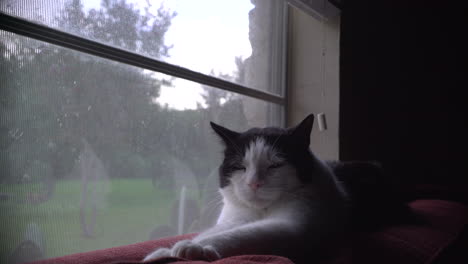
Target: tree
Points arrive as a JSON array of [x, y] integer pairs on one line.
[[56, 99], [54, 96]]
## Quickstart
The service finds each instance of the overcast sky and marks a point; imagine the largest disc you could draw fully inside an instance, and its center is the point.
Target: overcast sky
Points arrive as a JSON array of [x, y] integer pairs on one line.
[[206, 35]]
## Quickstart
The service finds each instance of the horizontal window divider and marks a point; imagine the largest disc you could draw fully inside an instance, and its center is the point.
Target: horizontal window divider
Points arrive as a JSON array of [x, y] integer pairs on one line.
[[53, 36]]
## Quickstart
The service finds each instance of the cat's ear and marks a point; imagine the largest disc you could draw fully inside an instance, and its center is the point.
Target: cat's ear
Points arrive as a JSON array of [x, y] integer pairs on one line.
[[228, 136], [301, 132]]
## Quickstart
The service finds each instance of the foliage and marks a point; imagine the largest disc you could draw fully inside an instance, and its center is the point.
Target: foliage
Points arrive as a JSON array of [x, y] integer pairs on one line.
[[54, 98]]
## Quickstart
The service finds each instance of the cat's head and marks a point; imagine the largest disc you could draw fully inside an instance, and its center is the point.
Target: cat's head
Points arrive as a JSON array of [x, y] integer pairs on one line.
[[262, 164]]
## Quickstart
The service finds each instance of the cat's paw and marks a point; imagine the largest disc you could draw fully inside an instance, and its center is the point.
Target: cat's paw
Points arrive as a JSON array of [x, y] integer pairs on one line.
[[158, 253], [188, 249]]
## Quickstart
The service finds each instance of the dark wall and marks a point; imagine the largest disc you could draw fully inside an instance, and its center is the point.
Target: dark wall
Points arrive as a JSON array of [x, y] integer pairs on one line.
[[401, 91]]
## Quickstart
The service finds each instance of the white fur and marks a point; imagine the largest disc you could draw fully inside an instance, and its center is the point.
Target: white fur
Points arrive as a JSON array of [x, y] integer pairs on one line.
[[276, 181], [275, 219]]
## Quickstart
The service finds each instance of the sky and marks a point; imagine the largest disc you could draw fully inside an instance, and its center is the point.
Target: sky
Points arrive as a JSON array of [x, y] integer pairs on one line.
[[206, 36]]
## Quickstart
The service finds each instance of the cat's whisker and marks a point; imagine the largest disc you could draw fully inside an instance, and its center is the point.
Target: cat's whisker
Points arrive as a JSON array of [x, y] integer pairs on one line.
[[214, 203], [276, 140]]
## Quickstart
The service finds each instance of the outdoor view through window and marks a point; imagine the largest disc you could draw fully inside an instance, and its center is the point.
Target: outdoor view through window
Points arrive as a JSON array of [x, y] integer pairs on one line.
[[96, 153]]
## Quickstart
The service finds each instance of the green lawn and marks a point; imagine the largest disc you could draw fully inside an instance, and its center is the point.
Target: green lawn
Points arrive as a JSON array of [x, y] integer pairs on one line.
[[128, 209]]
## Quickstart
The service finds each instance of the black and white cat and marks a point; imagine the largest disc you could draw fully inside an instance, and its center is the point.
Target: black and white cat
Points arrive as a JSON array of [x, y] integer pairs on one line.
[[278, 199]]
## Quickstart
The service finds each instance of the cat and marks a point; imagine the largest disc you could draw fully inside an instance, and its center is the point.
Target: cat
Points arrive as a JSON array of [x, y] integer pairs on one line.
[[278, 199]]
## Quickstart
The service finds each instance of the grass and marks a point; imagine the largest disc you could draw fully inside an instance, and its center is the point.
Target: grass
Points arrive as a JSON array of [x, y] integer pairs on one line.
[[128, 209]]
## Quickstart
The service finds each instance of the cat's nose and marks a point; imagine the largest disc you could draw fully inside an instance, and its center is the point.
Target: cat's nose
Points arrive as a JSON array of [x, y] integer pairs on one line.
[[255, 185]]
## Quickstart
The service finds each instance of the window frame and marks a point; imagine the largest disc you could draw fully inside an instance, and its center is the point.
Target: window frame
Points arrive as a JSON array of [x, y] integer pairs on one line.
[[63, 39]]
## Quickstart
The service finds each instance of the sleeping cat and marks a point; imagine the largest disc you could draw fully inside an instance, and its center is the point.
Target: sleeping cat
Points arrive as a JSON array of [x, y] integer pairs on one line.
[[278, 199]]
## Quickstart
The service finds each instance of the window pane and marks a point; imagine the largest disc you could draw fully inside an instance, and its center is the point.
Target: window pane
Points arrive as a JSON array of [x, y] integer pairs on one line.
[[236, 40], [95, 154]]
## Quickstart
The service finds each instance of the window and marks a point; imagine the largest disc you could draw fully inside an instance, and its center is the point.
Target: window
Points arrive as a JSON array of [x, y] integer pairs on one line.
[[105, 110]]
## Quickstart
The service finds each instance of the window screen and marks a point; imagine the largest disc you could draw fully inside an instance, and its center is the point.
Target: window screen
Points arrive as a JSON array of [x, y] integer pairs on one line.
[[96, 152], [208, 36]]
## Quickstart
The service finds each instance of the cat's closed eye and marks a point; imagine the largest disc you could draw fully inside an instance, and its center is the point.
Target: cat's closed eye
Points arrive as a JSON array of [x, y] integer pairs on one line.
[[239, 168], [275, 165]]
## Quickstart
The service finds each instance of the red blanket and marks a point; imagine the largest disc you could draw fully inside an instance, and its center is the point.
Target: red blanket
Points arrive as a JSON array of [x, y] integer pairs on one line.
[[439, 237]]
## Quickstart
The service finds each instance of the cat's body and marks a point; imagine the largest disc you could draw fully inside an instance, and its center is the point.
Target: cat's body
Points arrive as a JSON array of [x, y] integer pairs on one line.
[[278, 199]]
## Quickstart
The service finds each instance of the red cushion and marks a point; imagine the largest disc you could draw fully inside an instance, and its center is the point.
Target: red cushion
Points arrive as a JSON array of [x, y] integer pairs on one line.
[[441, 223], [136, 252], [133, 252]]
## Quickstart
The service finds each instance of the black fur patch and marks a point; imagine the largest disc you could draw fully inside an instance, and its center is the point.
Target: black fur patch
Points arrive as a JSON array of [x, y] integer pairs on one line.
[[292, 144]]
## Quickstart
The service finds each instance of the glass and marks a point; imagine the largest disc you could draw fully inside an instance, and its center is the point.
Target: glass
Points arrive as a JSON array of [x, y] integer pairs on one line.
[[236, 40], [95, 153]]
